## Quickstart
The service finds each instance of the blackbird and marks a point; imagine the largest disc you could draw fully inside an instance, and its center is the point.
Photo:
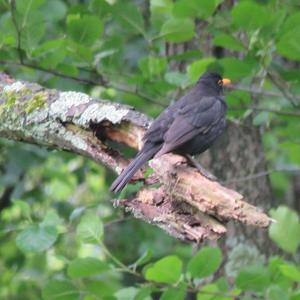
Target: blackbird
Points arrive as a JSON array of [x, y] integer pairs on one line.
[[187, 127]]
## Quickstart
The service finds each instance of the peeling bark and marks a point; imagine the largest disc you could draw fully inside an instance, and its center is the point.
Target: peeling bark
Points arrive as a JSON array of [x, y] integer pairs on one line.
[[186, 205]]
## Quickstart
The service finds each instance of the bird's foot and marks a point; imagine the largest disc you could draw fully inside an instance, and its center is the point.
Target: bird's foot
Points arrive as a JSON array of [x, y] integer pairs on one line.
[[206, 174], [199, 167]]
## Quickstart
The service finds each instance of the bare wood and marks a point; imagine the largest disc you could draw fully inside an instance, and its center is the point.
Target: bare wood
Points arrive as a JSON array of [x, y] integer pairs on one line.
[[186, 205]]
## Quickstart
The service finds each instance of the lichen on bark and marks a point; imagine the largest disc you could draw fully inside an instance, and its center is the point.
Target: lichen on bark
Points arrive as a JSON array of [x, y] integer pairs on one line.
[[19, 97]]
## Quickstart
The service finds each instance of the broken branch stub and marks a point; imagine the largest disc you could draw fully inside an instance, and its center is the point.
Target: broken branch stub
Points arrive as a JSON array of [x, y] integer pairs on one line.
[[208, 196], [186, 205]]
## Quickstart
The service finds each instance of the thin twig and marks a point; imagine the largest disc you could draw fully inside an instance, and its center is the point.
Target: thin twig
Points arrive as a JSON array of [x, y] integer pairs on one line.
[[264, 109], [87, 81], [283, 89], [137, 93], [54, 72], [260, 174], [256, 92], [121, 265], [116, 221]]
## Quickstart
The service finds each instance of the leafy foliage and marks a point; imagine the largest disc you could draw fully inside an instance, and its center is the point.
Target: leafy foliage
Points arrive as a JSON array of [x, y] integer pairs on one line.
[[206, 262], [166, 270], [90, 228], [285, 230]]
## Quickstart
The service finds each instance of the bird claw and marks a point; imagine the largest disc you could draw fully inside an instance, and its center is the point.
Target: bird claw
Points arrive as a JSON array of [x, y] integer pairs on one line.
[[207, 174], [116, 203], [201, 170]]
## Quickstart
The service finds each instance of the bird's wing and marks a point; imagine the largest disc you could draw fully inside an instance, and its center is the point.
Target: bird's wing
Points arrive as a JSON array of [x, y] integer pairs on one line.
[[192, 120], [155, 134]]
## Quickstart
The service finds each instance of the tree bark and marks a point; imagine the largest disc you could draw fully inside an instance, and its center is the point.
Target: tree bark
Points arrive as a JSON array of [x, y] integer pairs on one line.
[[242, 157], [186, 205]]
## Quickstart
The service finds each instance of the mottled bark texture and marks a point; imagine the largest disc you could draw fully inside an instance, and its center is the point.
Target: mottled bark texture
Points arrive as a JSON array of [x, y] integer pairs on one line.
[[294, 193], [235, 159], [186, 205]]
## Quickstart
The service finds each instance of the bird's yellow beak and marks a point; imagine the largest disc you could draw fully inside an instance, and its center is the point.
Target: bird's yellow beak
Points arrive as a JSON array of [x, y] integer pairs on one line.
[[226, 81]]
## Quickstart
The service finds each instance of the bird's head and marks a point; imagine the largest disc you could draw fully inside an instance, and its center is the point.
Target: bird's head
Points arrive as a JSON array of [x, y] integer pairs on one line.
[[213, 83]]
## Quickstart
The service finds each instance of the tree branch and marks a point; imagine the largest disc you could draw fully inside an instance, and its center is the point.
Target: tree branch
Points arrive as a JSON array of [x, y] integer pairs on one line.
[[186, 205], [255, 91], [263, 174], [265, 109]]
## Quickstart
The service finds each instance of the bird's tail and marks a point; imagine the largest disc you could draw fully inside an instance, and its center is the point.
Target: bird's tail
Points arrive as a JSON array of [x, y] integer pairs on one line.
[[131, 169]]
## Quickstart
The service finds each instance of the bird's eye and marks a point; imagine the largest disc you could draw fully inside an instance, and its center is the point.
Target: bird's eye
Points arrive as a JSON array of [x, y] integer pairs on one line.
[[220, 82]]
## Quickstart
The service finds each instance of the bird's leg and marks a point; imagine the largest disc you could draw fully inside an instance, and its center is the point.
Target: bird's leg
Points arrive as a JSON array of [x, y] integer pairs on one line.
[[198, 166]]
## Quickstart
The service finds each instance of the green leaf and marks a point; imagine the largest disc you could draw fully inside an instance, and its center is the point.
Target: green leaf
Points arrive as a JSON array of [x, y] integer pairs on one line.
[[126, 293], [99, 7], [51, 219], [237, 97], [228, 41], [80, 52], [177, 79], [33, 31], [48, 47], [8, 33], [54, 10], [288, 45], [290, 271], [173, 294], [295, 295], [290, 23], [83, 267], [24, 7], [147, 255], [166, 270], [103, 288], [275, 292], [151, 66], [36, 238], [23, 207], [144, 293], [261, 118], [178, 30], [185, 9], [206, 262], [85, 30], [197, 68], [61, 189], [253, 278], [206, 8], [130, 17], [249, 15], [286, 231], [192, 8], [236, 69], [161, 6], [90, 228], [60, 290], [279, 180], [208, 292]]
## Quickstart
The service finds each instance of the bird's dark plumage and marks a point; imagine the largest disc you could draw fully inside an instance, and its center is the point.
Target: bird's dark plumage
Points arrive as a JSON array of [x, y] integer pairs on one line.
[[189, 126]]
